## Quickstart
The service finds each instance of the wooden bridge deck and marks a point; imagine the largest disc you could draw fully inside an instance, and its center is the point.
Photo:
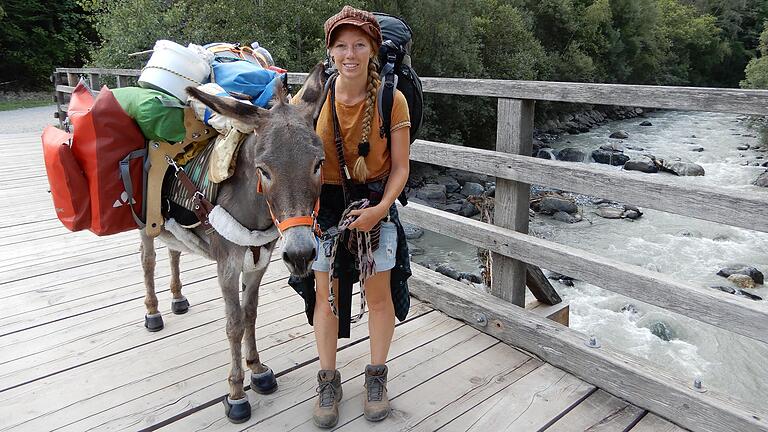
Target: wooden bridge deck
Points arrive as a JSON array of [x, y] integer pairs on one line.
[[74, 354]]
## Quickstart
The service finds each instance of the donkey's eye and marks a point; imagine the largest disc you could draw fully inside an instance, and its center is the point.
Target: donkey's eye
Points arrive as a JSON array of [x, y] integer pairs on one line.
[[265, 174], [317, 166]]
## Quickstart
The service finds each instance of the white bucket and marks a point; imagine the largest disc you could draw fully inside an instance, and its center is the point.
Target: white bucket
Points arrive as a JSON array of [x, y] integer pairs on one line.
[[172, 68]]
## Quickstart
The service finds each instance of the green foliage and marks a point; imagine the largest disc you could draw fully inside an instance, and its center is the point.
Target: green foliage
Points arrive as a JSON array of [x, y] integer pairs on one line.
[[36, 36], [757, 69]]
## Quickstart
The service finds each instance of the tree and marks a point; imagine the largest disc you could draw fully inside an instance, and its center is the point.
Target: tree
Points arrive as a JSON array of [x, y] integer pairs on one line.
[[36, 36], [757, 69]]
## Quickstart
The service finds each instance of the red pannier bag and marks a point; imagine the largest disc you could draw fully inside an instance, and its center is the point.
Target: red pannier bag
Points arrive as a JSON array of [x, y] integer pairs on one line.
[[111, 149], [69, 188]]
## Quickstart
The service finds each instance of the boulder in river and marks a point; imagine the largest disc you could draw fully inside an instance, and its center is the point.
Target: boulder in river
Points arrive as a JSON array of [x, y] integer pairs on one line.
[[570, 154], [468, 209], [743, 147], [762, 180], [642, 165], [646, 123], [472, 188], [553, 204], [662, 330], [610, 157], [447, 271], [619, 134], [612, 147], [565, 217], [450, 183], [742, 281], [697, 149], [432, 192], [680, 168], [610, 212], [752, 272]]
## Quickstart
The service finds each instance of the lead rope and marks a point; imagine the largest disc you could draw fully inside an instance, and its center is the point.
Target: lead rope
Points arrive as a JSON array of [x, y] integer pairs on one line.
[[365, 263]]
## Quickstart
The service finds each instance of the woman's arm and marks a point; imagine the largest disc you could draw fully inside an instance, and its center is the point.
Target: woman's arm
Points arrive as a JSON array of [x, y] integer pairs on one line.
[[398, 177]]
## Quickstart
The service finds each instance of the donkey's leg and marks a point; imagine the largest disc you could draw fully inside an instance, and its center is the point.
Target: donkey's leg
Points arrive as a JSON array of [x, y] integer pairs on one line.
[[179, 304], [262, 377], [236, 404], [153, 321]]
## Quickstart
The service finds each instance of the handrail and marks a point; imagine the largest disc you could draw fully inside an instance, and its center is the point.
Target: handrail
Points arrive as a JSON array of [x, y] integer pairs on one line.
[[735, 314], [663, 192], [740, 101]]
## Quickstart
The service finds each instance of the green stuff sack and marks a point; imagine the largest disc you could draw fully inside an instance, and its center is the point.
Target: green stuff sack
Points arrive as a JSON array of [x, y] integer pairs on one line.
[[159, 116]]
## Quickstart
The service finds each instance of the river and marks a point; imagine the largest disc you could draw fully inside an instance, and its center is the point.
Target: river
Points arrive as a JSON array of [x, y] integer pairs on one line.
[[688, 249]]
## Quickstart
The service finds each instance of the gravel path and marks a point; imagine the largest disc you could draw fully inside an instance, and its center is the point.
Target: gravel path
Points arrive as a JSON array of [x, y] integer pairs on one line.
[[31, 120]]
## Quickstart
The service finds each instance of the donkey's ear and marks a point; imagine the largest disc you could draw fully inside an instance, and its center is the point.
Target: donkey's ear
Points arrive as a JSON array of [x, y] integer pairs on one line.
[[312, 94], [247, 117]]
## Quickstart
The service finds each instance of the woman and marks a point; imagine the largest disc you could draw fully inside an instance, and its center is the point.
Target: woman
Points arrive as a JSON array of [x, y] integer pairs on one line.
[[372, 169]]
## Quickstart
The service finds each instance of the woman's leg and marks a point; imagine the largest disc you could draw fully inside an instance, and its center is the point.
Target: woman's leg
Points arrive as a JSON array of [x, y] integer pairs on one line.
[[381, 316], [325, 324]]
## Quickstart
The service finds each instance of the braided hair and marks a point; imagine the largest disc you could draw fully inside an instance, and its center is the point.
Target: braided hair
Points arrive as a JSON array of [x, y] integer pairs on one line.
[[360, 169]]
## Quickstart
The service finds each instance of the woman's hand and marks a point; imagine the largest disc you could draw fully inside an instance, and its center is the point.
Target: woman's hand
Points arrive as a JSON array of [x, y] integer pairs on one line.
[[367, 218]]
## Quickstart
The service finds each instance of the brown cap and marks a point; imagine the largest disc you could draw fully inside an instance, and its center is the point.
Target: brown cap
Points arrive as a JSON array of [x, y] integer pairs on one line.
[[360, 18]]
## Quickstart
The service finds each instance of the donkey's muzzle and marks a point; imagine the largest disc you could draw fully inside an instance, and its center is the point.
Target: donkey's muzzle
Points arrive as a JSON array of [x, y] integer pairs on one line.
[[299, 250]]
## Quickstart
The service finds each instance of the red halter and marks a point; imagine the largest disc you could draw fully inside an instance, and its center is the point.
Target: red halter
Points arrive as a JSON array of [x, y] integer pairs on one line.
[[310, 221]]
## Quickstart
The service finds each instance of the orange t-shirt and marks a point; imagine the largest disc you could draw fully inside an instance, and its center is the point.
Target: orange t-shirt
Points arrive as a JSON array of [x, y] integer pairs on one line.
[[351, 118]]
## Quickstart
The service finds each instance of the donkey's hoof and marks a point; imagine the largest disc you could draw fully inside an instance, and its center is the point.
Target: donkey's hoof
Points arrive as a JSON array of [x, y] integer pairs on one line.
[[180, 306], [153, 322], [238, 411], [265, 382]]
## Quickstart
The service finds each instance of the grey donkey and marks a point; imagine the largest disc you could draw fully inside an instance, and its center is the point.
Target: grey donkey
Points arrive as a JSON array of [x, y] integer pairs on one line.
[[284, 155]]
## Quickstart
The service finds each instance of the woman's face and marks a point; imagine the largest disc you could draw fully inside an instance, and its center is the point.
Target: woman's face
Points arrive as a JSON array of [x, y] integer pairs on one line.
[[351, 50]]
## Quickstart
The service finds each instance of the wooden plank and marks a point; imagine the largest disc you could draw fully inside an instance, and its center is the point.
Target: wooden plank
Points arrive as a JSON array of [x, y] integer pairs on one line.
[[51, 307], [429, 402], [514, 134], [414, 341], [527, 405], [186, 370], [617, 373], [738, 101], [71, 346], [738, 315], [559, 313], [101, 71], [414, 368], [540, 286], [600, 412], [745, 209], [654, 423]]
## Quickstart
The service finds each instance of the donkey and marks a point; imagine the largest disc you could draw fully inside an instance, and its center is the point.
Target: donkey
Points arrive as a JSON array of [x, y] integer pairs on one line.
[[282, 158]]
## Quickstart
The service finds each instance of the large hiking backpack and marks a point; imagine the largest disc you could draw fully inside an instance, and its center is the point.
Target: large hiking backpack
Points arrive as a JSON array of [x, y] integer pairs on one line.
[[396, 72]]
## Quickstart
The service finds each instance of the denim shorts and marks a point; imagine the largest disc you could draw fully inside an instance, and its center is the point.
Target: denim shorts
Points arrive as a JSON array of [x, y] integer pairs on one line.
[[384, 255]]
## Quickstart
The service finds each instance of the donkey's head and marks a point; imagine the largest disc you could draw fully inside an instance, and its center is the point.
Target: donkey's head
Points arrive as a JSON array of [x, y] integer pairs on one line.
[[285, 155]]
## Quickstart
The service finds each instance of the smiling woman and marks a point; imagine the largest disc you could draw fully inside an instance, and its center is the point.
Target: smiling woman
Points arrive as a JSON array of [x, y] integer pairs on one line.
[[363, 238]]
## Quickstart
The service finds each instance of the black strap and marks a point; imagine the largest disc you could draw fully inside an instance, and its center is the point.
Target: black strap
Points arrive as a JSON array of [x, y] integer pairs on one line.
[[125, 175], [386, 97], [343, 171]]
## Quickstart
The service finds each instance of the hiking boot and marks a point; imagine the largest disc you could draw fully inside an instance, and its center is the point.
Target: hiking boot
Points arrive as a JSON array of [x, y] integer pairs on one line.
[[326, 412], [376, 406]]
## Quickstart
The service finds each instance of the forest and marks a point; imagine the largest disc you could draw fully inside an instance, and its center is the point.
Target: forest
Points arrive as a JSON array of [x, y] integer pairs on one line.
[[718, 43]]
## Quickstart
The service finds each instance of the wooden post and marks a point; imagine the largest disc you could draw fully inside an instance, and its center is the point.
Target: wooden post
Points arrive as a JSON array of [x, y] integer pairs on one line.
[[95, 82], [72, 79], [59, 98], [514, 134], [121, 81]]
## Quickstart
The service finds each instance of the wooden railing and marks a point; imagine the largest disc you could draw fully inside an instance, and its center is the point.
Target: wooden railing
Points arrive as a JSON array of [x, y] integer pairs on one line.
[[515, 170]]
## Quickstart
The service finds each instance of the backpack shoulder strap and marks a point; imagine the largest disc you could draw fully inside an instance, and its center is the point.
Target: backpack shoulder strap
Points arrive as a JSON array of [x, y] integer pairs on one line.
[[386, 96]]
